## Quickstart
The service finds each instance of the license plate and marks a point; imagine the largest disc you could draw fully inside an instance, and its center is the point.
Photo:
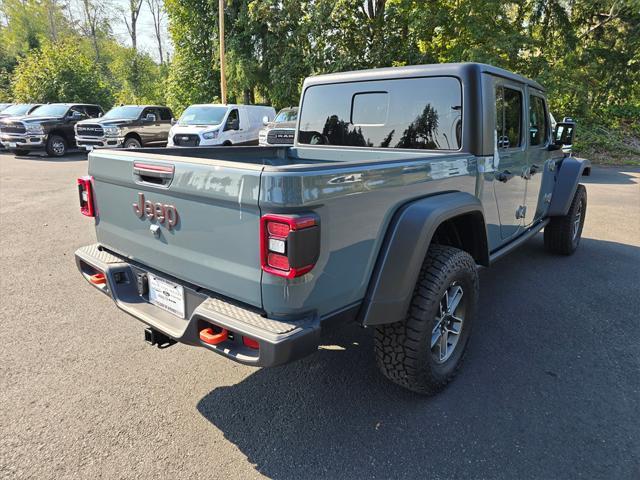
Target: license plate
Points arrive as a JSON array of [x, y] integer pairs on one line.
[[167, 295], [12, 145]]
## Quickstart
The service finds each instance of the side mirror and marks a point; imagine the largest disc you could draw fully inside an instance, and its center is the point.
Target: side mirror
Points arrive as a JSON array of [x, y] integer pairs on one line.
[[173, 121], [150, 118], [563, 136], [75, 116], [265, 120]]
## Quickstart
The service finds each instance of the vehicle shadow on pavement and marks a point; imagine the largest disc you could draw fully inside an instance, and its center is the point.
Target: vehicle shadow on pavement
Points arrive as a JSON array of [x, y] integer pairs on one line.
[[615, 175], [543, 392], [69, 157]]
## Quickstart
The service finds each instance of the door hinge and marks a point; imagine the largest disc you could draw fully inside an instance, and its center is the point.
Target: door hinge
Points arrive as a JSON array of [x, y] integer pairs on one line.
[[521, 211]]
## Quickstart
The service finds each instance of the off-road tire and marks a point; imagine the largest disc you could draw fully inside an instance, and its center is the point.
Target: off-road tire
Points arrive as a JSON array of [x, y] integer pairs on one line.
[[53, 149], [559, 235], [132, 142], [403, 349]]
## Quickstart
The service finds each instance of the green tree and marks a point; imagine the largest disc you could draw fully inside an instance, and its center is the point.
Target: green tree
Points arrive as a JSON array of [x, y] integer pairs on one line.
[[60, 72], [194, 74], [135, 77]]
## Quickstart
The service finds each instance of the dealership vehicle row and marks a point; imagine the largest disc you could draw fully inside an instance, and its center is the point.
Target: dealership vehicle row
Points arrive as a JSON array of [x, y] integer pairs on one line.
[[59, 127]]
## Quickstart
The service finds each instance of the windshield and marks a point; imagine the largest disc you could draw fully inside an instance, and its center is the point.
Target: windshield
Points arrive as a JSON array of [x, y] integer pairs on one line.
[[3, 106], [19, 109], [123, 112], [286, 116], [50, 111], [202, 115]]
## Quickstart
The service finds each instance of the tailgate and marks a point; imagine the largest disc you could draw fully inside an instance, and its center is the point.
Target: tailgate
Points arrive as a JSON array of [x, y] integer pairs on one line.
[[215, 240]]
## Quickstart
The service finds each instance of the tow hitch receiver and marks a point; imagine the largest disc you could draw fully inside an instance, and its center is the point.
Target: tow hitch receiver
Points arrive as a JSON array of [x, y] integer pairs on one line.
[[154, 337], [210, 337], [98, 279]]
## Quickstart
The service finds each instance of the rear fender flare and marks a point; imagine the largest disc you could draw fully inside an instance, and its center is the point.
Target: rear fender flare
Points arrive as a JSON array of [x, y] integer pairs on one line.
[[567, 178], [403, 251]]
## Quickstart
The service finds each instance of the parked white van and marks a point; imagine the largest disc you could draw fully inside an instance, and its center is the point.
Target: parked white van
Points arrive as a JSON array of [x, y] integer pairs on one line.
[[216, 124]]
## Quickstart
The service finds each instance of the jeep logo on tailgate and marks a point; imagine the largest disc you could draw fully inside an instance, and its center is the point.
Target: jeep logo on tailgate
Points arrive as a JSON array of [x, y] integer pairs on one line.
[[163, 213]]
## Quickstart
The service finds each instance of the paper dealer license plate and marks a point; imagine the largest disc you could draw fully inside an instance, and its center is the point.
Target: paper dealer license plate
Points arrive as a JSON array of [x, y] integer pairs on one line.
[[167, 295]]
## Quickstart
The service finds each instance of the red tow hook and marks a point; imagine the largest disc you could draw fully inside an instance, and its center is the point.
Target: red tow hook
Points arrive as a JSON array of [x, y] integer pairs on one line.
[[210, 337], [98, 279]]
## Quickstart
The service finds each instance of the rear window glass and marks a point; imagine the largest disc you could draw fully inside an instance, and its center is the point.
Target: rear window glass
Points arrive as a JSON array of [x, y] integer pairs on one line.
[[370, 108], [414, 113]]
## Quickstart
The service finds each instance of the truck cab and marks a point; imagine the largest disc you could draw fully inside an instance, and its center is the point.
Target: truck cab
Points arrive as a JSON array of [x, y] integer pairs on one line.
[[401, 183], [126, 126], [49, 128], [216, 124]]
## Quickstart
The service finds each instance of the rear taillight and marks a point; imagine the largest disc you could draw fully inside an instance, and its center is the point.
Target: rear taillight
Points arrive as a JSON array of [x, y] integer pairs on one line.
[[85, 191], [289, 244]]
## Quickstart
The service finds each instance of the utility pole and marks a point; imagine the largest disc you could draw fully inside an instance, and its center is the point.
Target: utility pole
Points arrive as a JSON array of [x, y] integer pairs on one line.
[[223, 80]]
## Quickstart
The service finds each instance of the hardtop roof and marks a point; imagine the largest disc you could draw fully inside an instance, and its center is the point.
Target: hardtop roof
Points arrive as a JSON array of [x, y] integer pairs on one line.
[[461, 70]]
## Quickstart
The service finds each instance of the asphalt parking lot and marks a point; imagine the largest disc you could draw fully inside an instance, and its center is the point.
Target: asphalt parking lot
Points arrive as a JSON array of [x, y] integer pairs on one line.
[[550, 389]]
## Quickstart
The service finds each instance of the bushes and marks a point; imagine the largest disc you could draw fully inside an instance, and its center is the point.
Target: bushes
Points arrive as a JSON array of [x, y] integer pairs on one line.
[[59, 72], [611, 136], [67, 72]]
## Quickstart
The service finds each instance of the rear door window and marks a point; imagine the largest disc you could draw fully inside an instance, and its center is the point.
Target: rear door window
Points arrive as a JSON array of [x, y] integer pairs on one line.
[[508, 117], [165, 114], [413, 113], [93, 111], [538, 123]]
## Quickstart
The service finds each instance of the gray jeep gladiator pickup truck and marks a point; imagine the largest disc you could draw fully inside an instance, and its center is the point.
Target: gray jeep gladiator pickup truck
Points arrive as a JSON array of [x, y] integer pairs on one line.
[[400, 184]]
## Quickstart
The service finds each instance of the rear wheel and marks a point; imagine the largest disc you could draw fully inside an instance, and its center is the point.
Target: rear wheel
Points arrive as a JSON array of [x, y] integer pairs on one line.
[[56, 146], [132, 143], [424, 351], [562, 234]]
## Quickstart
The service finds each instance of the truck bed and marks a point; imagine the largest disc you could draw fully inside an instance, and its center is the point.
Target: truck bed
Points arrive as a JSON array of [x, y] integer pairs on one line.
[[221, 193], [284, 158]]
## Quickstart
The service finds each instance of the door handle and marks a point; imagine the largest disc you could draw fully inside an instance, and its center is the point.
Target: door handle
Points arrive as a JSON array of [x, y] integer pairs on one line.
[[504, 176]]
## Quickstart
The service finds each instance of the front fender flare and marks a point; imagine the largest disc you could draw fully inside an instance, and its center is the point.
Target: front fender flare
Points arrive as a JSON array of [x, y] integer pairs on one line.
[[567, 178], [403, 251]]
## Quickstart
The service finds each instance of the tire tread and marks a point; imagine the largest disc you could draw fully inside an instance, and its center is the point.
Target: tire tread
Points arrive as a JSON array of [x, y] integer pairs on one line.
[[397, 345]]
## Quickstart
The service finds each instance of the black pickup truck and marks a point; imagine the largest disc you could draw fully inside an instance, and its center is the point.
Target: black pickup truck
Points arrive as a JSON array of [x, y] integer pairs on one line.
[[128, 126], [48, 128]]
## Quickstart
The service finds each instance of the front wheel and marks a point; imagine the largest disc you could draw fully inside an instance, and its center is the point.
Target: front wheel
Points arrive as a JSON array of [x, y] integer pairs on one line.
[[424, 351], [56, 146], [132, 143], [562, 234]]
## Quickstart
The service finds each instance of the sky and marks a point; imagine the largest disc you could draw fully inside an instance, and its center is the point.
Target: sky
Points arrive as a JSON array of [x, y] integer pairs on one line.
[[146, 34]]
